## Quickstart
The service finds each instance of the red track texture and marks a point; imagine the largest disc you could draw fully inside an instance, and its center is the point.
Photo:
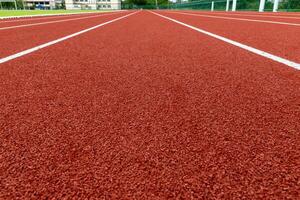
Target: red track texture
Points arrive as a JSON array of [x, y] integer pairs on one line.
[[286, 19], [280, 40], [20, 39], [15, 22], [146, 109], [279, 14]]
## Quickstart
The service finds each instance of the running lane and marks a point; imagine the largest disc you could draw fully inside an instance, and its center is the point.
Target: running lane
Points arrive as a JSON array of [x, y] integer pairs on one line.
[[280, 40], [153, 110], [261, 18], [16, 22], [295, 14], [19, 39]]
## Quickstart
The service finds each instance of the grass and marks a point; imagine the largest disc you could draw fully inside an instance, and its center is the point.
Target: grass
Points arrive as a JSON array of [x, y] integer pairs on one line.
[[8, 13]]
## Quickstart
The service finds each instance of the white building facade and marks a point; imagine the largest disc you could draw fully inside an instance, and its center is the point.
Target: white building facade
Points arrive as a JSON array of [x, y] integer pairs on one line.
[[42, 4], [93, 4]]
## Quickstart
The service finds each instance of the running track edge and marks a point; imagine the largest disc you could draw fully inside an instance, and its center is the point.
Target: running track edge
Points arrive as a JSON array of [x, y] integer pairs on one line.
[[28, 51], [237, 44]]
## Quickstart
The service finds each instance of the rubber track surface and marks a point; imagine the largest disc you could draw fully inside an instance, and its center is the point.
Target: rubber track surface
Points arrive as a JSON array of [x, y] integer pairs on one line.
[[19, 39], [15, 22], [287, 19], [146, 109], [280, 40], [295, 14]]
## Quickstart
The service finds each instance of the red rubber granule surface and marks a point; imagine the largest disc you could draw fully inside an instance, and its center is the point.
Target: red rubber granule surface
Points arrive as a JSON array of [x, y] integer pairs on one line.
[[280, 40], [32, 20], [16, 40], [277, 18], [146, 109]]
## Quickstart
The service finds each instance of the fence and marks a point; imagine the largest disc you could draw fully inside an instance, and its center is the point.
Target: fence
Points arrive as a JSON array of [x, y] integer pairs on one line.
[[246, 5], [242, 5], [8, 4]]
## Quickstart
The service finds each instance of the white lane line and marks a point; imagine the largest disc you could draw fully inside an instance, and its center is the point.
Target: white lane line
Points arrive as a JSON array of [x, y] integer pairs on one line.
[[278, 14], [28, 51], [255, 13], [239, 19], [240, 45], [249, 15], [37, 18], [45, 15], [270, 16], [56, 21], [53, 17]]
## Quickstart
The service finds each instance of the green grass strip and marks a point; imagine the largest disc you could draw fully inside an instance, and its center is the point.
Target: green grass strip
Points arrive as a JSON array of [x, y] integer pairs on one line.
[[12, 13]]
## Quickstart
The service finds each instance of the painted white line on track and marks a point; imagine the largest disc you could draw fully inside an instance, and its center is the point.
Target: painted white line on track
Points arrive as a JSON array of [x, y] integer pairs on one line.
[[240, 45], [56, 21], [52, 17], [28, 51], [45, 15], [37, 18], [233, 18], [255, 13], [270, 14], [267, 16], [246, 15]]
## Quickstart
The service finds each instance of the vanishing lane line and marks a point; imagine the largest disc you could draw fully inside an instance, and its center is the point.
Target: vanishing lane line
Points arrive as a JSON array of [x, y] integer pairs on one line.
[[56, 21], [43, 15], [28, 51], [240, 45], [53, 17], [233, 18], [265, 14], [246, 15], [37, 18]]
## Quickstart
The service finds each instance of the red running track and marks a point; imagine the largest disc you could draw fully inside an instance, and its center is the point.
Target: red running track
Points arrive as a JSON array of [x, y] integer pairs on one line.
[[150, 111], [20, 39], [280, 40], [271, 18], [15, 22], [295, 14]]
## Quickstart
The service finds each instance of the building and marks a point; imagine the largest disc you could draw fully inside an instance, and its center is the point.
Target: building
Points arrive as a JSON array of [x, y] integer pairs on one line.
[[93, 4], [43, 4]]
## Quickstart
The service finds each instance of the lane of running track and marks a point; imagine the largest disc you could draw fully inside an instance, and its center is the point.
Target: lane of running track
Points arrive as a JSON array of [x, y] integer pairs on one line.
[[20, 39], [53, 21], [16, 22], [261, 18], [153, 110], [280, 40], [296, 14]]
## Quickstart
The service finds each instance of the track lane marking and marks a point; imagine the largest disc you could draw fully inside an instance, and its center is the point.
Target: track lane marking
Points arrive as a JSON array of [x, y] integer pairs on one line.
[[238, 19], [268, 14], [255, 13], [53, 17], [247, 15], [28, 51], [56, 21], [46, 15], [240, 45]]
